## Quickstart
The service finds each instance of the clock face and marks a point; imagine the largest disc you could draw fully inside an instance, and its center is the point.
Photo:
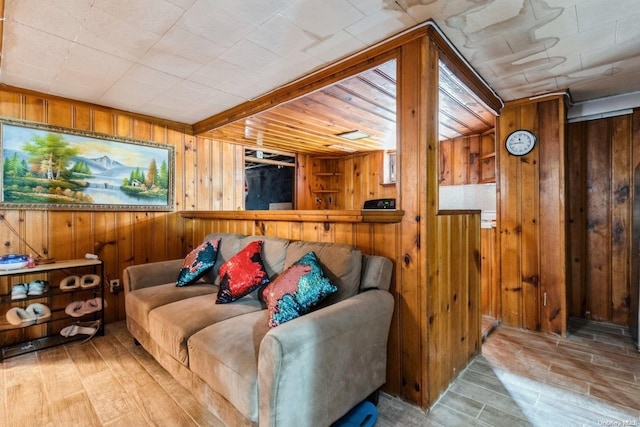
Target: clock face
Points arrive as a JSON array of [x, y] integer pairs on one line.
[[520, 142]]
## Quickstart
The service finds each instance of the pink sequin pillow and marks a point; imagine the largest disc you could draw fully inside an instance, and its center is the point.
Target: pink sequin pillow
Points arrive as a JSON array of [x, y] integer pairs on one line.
[[297, 290], [242, 274], [198, 262]]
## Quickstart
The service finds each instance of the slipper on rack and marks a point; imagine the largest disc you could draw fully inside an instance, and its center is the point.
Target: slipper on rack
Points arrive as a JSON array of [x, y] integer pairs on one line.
[[89, 281], [80, 308], [92, 305], [70, 283], [38, 287], [19, 291], [39, 311], [82, 328], [75, 309], [20, 317]]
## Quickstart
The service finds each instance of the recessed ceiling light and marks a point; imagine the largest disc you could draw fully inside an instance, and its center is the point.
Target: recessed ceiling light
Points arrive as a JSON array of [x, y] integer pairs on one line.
[[353, 135]]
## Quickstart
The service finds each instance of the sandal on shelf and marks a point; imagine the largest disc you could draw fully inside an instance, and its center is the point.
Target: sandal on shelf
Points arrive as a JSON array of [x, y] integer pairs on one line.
[[81, 328]]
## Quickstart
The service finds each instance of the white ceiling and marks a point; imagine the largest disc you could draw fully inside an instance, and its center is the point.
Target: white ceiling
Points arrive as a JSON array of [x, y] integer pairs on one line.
[[186, 60]]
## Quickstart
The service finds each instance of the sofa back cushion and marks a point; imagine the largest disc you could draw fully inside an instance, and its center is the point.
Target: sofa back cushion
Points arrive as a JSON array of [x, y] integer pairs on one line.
[[341, 263], [230, 244], [273, 252]]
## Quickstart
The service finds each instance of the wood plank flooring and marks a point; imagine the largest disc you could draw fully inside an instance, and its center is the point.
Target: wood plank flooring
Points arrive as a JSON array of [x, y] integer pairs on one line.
[[523, 378], [591, 378]]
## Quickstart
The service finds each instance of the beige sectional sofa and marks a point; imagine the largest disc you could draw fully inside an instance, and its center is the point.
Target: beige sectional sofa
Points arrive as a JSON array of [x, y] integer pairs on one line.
[[306, 372]]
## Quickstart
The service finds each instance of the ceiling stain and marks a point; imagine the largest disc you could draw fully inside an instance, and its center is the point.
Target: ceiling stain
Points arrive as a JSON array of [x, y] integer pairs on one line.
[[523, 61]]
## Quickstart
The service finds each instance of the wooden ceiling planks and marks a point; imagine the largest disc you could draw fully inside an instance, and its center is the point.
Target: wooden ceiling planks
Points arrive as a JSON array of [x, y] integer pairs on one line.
[[364, 102]]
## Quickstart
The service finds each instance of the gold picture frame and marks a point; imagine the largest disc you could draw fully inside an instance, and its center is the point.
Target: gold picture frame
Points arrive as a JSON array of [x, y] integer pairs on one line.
[[53, 168]]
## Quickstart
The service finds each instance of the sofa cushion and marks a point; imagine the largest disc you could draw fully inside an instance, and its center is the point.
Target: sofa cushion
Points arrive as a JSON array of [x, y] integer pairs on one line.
[[225, 356], [230, 244], [198, 262], [139, 303], [297, 290], [171, 325], [341, 263], [242, 273], [274, 250]]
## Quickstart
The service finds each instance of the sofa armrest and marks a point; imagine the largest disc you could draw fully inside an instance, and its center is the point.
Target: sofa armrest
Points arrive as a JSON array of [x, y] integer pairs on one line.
[[376, 272], [150, 274], [314, 369]]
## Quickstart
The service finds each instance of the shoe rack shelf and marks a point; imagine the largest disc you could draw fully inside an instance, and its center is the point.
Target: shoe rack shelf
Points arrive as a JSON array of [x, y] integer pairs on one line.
[[19, 339]]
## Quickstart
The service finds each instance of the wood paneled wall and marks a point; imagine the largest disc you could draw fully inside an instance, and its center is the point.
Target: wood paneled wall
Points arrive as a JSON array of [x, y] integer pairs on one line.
[[357, 177], [435, 330], [468, 160], [532, 218], [604, 156], [208, 176], [490, 279]]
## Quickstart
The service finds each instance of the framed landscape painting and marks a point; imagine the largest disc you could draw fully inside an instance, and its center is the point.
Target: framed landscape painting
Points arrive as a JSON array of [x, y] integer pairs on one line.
[[46, 167]]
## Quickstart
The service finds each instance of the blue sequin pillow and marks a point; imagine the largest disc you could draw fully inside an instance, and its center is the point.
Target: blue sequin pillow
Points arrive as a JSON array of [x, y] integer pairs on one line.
[[242, 273], [198, 262], [297, 290]]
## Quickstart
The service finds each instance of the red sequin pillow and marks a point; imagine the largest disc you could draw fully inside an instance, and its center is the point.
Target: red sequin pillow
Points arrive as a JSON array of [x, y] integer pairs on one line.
[[198, 262], [242, 273]]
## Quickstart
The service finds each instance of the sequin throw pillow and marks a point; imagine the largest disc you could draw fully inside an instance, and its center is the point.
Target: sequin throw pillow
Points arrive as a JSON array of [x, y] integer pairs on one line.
[[198, 262], [242, 273], [297, 290]]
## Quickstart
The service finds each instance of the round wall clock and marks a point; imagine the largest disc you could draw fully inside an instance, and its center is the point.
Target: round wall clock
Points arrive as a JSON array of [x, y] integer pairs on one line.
[[520, 142]]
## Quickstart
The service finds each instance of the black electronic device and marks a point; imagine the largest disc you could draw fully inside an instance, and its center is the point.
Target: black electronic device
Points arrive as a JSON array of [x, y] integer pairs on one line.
[[380, 204]]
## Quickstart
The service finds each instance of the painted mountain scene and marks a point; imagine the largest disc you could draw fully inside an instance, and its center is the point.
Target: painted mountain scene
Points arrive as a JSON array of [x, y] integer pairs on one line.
[[52, 167]]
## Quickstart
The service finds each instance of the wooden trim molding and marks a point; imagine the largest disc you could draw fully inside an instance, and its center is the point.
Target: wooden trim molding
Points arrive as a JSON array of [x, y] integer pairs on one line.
[[353, 216]]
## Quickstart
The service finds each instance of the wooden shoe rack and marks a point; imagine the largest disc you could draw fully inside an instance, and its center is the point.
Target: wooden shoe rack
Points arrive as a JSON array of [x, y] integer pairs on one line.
[[19, 339]]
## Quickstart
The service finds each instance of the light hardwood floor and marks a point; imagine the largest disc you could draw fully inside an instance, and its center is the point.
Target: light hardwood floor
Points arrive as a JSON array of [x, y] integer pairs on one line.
[[591, 378]]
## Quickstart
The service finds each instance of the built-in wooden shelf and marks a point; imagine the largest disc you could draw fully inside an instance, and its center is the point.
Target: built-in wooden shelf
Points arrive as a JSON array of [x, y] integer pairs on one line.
[[325, 191], [327, 173], [364, 216], [57, 265]]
